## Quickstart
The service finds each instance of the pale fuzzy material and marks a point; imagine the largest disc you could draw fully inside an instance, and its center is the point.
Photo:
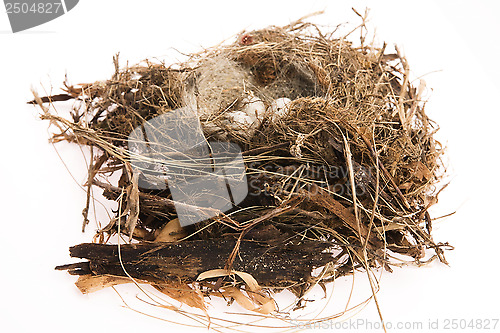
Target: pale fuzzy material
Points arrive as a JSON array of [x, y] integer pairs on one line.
[[221, 92], [279, 108], [220, 84]]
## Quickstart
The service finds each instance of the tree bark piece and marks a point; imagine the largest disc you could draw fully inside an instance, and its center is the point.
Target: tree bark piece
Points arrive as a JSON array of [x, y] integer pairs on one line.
[[271, 265]]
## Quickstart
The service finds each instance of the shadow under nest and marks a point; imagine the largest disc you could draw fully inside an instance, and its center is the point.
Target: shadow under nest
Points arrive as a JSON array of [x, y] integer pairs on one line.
[[340, 176]]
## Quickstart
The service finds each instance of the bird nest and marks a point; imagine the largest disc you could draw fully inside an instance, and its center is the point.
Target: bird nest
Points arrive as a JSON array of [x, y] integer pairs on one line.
[[340, 168]]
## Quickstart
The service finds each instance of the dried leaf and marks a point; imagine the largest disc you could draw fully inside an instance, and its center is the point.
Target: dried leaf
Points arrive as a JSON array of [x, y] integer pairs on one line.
[[91, 283], [249, 279], [261, 304], [183, 293], [419, 170], [422, 172], [390, 226], [324, 199], [133, 204], [171, 232], [405, 186]]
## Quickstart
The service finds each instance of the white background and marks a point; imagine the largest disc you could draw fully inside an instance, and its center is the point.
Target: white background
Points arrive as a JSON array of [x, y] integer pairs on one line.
[[454, 44]]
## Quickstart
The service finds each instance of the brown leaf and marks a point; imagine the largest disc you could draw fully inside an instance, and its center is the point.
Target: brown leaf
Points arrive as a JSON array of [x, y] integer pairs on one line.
[[406, 186], [133, 204], [183, 293], [171, 232], [324, 199], [420, 171], [256, 302], [91, 283], [249, 279]]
